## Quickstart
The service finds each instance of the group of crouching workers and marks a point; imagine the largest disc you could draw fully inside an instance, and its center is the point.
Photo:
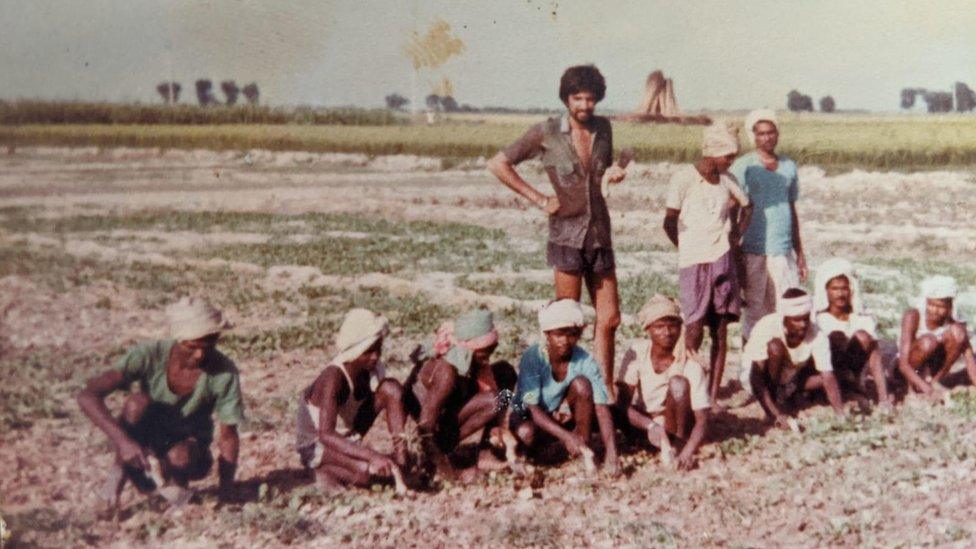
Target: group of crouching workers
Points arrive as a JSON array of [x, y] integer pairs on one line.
[[734, 223]]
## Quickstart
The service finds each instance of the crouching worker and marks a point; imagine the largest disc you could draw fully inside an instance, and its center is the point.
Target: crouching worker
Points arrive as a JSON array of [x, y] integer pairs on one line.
[[556, 371], [455, 390], [851, 334], [663, 389], [164, 432], [933, 339], [781, 362], [342, 404]]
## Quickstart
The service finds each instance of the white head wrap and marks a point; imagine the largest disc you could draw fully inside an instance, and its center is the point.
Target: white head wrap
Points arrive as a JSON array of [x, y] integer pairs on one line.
[[794, 306], [565, 313], [359, 331], [829, 270], [756, 116], [719, 139], [192, 318], [936, 287]]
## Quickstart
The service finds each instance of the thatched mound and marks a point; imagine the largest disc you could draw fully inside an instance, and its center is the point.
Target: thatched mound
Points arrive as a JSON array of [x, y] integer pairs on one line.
[[660, 105]]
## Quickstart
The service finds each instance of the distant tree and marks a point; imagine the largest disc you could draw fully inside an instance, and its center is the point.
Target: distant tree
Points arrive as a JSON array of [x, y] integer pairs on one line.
[[396, 102], [827, 104], [965, 98], [205, 92], [938, 101], [796, 102], [449, 104], [433, 102], [170, 91], [251, 93], [907, 98], [231, 91]]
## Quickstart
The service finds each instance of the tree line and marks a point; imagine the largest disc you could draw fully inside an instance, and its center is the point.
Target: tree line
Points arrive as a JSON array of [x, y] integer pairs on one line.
[[170, 92], [941, 101]]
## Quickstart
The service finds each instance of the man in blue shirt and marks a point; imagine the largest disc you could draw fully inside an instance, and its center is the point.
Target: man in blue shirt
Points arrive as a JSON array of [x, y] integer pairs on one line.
[[774, 259], [557, 371]]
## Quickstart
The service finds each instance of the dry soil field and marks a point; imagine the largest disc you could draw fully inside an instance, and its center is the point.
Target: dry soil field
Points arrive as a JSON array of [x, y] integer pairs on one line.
[[94, 242]]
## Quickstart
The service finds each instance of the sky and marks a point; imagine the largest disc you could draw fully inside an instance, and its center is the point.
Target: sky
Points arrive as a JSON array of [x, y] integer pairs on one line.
[[720, 54]]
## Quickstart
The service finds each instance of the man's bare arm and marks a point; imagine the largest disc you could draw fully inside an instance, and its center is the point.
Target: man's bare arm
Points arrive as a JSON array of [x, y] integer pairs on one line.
[[833, 391], [545, 422], [501, 167], [229, 446], [328, 413], [764, 395], [801, 258], [671, 225], [687, 456], [604, 420], [909, 325], [91, 400]]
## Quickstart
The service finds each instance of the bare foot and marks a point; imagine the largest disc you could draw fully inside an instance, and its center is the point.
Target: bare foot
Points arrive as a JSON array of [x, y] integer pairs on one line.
[[488, 462], [326, 483]]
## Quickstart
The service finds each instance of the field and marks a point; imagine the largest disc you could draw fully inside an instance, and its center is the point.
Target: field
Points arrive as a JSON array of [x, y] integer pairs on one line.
[[95, 240], [836, 143]]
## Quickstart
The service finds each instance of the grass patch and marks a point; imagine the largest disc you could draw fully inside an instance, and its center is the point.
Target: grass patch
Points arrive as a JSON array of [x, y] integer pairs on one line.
[[36, 386], [834, 142], [517, 288]]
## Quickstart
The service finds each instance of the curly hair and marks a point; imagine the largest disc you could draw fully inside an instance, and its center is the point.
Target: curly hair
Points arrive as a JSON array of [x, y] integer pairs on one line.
[[582, 78]]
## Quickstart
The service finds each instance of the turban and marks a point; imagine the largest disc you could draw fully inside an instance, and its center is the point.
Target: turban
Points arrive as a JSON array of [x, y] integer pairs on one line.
[[457, 341], [829, 270], [794, 306], [359, 331], [565, 313], [936, 287], [757, 116], [192, 318], [656, 308], [720, 139]]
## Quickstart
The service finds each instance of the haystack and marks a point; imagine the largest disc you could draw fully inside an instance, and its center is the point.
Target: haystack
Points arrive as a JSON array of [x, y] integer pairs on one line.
[[659, 103]]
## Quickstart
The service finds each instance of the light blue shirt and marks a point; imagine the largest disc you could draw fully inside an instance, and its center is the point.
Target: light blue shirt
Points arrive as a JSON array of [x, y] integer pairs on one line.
[[771, 230], [536, 385]]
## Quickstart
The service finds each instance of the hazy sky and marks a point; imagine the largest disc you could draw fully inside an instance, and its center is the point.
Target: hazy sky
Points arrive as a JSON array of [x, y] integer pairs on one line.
[[721, 54]]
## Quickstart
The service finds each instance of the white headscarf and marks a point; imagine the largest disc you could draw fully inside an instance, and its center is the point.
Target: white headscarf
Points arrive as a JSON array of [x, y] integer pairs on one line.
[[192, 318], [829, 270], [757, 116], [360, 330], [794, 306], [719, 139], [564, 313], [937, 287]]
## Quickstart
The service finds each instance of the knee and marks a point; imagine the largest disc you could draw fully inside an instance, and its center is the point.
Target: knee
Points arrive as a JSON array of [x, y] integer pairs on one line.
[[957, 334], [134, 408], [776, 349], [525, 432], [927, 344], [838, 341], [581, 387], [679, 388], [608, 322], [390, 390], [865, 341], [180, 456]]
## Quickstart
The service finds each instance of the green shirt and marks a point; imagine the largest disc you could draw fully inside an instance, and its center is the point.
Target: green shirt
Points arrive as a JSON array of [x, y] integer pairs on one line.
[[218, 388]]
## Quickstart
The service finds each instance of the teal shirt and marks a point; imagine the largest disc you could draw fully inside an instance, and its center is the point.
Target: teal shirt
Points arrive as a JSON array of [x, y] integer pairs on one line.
[[217, 392], [536, 385], [771, 230]]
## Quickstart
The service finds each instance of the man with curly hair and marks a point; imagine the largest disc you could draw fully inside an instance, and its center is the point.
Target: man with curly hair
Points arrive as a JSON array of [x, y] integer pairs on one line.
[[576, 151]]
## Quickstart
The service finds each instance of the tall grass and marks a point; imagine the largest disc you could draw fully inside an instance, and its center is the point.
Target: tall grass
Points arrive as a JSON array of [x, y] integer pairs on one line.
[[70, 112], [840, 142]]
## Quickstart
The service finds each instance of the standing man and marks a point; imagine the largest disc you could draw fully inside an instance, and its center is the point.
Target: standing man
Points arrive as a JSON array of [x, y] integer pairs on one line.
[[774, 259], [576, 151], [184, 381], [704, 222]]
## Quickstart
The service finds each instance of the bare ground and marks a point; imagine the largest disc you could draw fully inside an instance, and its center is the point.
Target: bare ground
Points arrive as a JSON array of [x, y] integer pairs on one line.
[[873, 480]]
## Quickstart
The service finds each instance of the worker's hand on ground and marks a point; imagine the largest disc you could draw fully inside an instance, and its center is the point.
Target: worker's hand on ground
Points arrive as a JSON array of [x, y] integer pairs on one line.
[[133, 455], [686, 461], [549, 204], [936, 393], [611, 466], [783, 422], [381, 466], [574, 444]]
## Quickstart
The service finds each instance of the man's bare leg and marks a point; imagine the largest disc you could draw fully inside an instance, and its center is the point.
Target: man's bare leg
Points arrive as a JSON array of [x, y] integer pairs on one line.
[[133, 409], [580, 400], [719, 333], [678, 418], [389, 398], [606, 301], [954, 341], [924, 356]]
